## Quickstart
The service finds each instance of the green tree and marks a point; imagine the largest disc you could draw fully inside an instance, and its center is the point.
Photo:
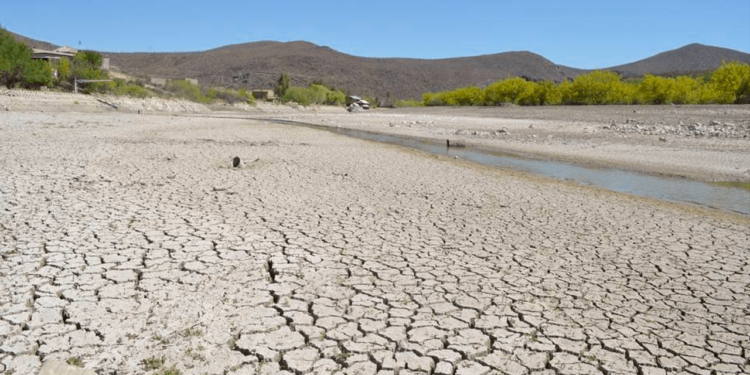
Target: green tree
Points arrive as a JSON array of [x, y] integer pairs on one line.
[[17, 67], [282, 85], [63, 69], [599, 87], [511, 90], [732, 81]]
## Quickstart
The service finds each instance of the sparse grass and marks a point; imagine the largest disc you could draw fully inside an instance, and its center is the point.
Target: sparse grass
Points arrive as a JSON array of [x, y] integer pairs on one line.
[[75, 361], [734, 184], [192, 332], [343, 356], [153, 363], [171, 371], [194, 355]]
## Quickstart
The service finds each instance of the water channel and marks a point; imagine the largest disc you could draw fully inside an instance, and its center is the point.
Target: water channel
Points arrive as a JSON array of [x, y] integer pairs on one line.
[[681, 190]]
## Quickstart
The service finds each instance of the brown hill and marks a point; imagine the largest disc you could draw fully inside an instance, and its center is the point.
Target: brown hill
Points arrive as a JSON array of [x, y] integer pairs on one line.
[[692, 58], [259, 64], [33, 43]]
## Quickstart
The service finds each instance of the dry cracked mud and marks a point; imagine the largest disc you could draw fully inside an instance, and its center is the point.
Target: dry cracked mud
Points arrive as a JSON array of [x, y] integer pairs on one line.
[[129, 243]]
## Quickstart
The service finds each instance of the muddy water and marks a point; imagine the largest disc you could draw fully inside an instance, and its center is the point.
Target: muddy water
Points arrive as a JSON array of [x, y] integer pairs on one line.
[[664, 188]]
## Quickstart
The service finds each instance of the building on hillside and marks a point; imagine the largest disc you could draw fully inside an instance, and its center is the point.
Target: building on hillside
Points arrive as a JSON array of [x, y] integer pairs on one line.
[[192, 80], [41, 54], [159, 81], [57, 54], [263, 94]]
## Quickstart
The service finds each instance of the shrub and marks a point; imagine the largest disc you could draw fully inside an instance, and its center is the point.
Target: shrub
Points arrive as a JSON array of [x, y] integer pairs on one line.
[[513, 90], [231, 96], [186, 90], [63, 69], [408, 103], [282, 85], [547, 93], [315, 94], [599, 87], [120, 87], [731, 81]]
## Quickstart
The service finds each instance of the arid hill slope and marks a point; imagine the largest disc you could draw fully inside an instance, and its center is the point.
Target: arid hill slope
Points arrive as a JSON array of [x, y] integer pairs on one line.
[[259, 64], [692, 58]]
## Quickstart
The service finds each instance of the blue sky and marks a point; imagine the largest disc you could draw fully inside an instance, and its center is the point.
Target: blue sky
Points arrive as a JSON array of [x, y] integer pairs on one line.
[[582, 34]]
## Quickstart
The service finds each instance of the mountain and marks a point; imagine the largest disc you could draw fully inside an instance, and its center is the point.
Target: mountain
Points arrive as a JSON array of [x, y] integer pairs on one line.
[[33, 43], [692, 58], [259, 64]]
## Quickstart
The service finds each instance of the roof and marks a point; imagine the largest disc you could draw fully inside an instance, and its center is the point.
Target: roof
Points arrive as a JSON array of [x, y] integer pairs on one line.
[[38, 53], [66, 49]]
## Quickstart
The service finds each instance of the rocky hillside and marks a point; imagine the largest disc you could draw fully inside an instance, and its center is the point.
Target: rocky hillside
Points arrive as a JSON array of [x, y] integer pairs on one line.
[[693, 58], [258, 65]]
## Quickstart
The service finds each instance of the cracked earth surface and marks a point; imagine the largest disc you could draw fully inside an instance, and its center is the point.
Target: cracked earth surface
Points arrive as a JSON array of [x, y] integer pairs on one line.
[[127, 241]]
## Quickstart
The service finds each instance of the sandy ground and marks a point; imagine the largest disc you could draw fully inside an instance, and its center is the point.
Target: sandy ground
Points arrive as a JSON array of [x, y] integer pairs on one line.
[[129, 242]]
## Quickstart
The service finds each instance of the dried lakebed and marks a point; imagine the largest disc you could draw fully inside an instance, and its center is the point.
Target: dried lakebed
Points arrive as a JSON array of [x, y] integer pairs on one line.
[[128, 242]]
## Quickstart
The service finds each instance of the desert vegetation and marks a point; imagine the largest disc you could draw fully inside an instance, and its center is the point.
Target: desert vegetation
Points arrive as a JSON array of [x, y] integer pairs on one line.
[[728, 84], [316, 93]]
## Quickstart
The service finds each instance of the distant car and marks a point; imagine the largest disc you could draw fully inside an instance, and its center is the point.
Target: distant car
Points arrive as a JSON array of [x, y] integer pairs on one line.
[[358, 101]]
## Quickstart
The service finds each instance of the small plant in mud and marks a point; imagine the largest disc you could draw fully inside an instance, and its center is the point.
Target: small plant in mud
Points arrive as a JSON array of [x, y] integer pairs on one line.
[[534, 337], [343, 356], [75, 361], [192, 332], [153, 363], [194, 355], [171, 371]]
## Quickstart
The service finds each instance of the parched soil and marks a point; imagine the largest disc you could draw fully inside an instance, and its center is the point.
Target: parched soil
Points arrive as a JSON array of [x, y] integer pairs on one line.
[[128, 242]]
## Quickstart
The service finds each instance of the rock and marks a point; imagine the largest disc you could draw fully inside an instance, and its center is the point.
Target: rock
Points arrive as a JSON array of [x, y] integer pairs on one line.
[[713, 122], [62, 368], [531, 126], [662, 139]]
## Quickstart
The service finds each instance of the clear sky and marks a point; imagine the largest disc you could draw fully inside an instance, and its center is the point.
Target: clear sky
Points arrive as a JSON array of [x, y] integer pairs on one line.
[[581, 34]]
